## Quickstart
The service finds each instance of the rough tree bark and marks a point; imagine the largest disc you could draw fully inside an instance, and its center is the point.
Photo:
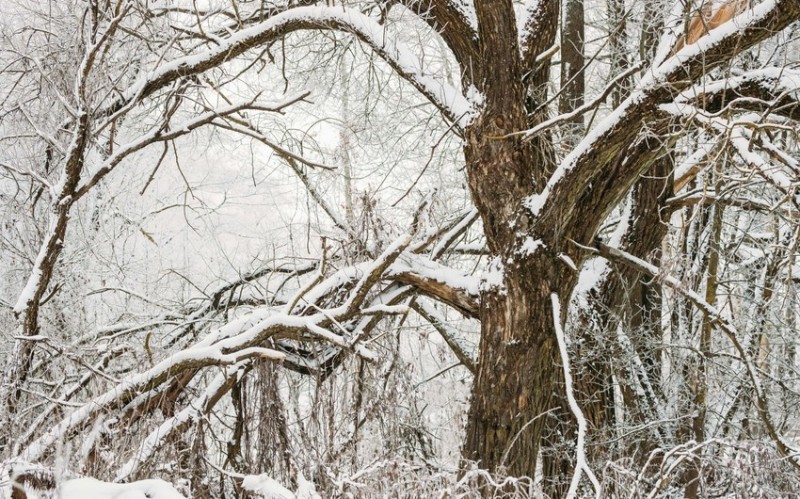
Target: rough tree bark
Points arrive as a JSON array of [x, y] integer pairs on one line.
[[518, 368], [518, 376]]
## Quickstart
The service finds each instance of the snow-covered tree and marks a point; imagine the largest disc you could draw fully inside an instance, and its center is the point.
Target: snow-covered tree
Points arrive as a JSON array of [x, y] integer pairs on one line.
[[632, 220]]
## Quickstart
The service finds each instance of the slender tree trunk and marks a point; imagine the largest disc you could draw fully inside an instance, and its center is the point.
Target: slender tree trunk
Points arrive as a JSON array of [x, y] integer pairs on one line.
[[572, 61], [693, 475]]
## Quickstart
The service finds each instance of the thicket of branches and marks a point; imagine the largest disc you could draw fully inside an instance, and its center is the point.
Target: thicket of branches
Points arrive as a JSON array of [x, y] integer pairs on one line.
[[237, 239]]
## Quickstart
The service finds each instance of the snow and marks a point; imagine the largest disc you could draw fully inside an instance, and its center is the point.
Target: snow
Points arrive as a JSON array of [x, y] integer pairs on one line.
[[536, 202], [715, 37], [693, 162], [434, 271], [193, 411], [86, 488], [592, 274], [266, 487], [767, 170], [29, 291], [385, 309], [494, 275], [674, 25], [623, 224], [568, 260], [740, 138], [466, 9], [476, 97], [782, 80], [530, 11], [529, 246], [305, 488], [581, 464]]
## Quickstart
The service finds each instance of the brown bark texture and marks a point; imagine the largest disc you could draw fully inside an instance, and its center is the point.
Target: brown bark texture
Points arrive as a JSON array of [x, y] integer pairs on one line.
[[518, 381]]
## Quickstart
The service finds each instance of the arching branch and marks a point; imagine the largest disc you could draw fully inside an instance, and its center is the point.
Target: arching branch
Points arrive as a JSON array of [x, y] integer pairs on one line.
[[449, 100]]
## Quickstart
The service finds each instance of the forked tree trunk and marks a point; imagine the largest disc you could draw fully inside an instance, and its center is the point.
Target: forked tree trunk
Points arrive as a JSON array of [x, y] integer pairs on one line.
[[519, 372]]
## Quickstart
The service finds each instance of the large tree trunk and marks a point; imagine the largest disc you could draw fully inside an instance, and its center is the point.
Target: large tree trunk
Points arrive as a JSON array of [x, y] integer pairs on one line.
[[519, 371], [517, 364]]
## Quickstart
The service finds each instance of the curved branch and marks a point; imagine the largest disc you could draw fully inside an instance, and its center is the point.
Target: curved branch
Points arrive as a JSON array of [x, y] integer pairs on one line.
[[441, 283], [233, 343], [767, 89], [449, 100]]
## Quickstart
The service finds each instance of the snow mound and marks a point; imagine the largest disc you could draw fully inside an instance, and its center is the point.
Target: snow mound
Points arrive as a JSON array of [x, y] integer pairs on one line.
[[266, 487], [84, 488]]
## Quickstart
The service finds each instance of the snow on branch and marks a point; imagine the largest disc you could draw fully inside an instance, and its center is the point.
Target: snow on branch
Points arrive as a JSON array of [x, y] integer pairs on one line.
[[242, 339], [461, 224], [195, 410], [444, 96], [741, 141], [659, 85], [191, 358], [739, 134], [775, 80], [581, 464], [431, 278], [447, 285], [369, 279], [771, 91]]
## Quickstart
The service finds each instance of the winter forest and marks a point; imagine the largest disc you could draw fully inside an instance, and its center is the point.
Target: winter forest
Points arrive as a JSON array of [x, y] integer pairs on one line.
[[399, 248]]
